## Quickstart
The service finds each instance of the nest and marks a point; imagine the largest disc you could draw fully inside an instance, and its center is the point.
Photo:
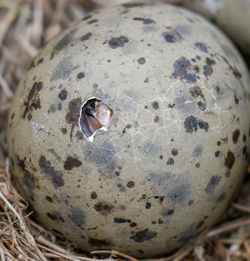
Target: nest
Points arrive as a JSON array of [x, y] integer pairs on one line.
[[25, 25]]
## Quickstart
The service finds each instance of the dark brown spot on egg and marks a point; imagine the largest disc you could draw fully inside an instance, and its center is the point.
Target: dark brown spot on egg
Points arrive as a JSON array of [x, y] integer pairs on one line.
[[29, 116], [214, 181], [98, 242], [182, 68], [86, 17], [63, 95], [201, 105], [221, 197], [229, 160], [33, 100], [227, 173], [207, 69], [74, 111], [196, 92], [170, 161], [155, 105], [198, 150], [167, 212], [130, 184], [80, 75], [86, 37], [201, 46], [141, 60], [171, 36], [191, 124], [92, 21], [179, 193], [12, 116], [50, 199], [210, 61], [64, 42], [144, 20], [52, 108], [236, 135], [62, 70], [103, 208], [40, 61], [79, 135], [236, 73], [196, 68], [236, 99], [71, 163], [156, 119], [28, 177], [190, 202], [77, 216], [64, 131], [55, 216], [116, 42], [50, 172], [121, 187], [59, 106], [144, 235], [93, 195], [217, 153], [175, 152], [122, 220]]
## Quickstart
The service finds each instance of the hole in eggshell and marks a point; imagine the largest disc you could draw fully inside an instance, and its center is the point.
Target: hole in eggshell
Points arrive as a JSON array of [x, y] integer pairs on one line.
[[95, 115]]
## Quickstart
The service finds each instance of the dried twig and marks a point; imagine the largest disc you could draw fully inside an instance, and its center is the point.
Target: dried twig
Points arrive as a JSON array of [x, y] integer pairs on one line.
[[7, 21], [229, 226], [114, 253], [28, 236], [241, 208], [24, 26], [8, 93], [68, 256]]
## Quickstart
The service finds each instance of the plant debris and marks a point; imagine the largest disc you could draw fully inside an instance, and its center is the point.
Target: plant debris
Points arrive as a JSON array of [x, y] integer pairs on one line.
[[25, 25]]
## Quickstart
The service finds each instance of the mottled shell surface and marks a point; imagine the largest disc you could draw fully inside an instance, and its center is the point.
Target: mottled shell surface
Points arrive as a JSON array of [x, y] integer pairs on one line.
[[233, 16], [176, 149]]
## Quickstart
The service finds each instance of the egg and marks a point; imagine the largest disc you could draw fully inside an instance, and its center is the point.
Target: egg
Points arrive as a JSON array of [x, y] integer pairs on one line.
[[130, 129], [232, 16]]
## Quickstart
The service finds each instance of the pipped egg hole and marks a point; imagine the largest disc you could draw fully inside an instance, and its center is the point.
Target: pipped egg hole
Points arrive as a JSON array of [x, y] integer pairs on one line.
[[94, 115]]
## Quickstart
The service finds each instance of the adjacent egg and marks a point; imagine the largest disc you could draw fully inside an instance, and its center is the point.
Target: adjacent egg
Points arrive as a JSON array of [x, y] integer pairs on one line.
[[233, 16], [130, 129]]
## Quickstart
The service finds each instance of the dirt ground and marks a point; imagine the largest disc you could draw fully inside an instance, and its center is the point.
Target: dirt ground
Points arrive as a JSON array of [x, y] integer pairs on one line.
[[25, 25]]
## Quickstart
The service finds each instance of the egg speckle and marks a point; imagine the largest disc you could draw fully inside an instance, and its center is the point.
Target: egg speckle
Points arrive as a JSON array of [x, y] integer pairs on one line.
[[127, 122]]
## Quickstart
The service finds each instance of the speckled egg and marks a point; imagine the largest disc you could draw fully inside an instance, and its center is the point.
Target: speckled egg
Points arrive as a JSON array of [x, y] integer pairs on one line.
[[130, 129], [233, 16]]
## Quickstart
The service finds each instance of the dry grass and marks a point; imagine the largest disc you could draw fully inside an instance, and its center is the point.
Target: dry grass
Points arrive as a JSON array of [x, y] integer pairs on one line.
[[24, 27]]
